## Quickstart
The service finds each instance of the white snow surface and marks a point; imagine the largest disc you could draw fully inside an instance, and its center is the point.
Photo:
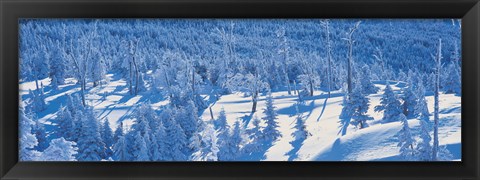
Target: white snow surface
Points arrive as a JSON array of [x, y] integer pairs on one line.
[[376, 143]]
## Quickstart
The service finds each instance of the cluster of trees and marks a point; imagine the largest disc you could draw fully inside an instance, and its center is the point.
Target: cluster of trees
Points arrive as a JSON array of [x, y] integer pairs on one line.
[[180, 60]]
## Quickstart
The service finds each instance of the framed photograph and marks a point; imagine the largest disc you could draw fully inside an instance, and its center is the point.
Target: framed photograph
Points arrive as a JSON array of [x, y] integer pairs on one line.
[[239, 89]]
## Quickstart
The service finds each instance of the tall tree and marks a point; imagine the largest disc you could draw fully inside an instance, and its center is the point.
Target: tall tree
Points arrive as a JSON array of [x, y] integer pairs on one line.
[[271, 132], [90, 144], [438, 59], [350, 43], [390, 105], [406, 140]]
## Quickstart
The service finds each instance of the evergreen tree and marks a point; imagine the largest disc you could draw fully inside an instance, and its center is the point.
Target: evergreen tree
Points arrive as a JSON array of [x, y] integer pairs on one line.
[[120, 149], [37, 103], [365, 81], [232, 147], [210, 149], [66, 126], [58, 69], [390, 106], [118, 132], [60, 150], [221, 121], [359, 104], [453, 80], [90, 144], [177, 141], [27, 140], [424, 148], [409, 101], [270, 131], [107, 137], [140, 151], [406, 140], [255, 136], [39, 131], [161, 143]]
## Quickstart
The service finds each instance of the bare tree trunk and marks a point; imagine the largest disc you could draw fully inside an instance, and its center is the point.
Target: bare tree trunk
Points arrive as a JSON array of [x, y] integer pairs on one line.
[[136, 75], [130, 88], [436, 99], [254, 100]]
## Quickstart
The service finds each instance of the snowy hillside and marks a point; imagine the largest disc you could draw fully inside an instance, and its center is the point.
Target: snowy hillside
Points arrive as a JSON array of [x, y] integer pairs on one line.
[[284, 90]]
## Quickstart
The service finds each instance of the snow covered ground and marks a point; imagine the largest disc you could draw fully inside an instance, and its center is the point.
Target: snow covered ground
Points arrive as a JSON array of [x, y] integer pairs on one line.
[[378, 142]]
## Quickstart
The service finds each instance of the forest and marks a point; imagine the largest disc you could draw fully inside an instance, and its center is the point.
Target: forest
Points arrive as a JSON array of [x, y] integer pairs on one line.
[[240, 89]]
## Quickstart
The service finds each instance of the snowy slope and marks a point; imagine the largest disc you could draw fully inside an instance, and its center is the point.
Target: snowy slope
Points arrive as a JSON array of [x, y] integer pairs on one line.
[[378, 142]]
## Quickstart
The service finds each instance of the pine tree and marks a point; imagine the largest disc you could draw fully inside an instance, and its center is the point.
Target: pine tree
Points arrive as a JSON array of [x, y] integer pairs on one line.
[[140, 151], [118, 132], [221, 121], [390, 106], [255, 136], [300, 133], [120, 149], [231, 150], [424, 148], [90, 144], [406, 140], [27, 140], [453, 79], [107, 137], [60, 150], [365, 81], [177, 141], [210, 149], [39, 131], [409, 101], [66, 126], [37, 103], [161, 143], [359, 104], [270, 131]]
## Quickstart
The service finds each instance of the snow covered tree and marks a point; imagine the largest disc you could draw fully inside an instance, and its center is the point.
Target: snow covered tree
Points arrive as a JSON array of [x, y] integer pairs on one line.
[[66, 126], [326, 25], [365, 81], [406, 141], [210, 148], [424, 148], [140, 150], [358, 103], [90, 144], [39, 130], [107, 137], [221, 121], [231, 150], [309, 77], [118, 132], [37, 102], [300, 133], [177, 140], [453, 79], [58, 67], [283, 51], [251, 83], [120, 149], [255, 136], [409, 101], [350, 43], [271, 132], [60, 150], [161, 142], [390, 105], [438, 59], [27, 140]]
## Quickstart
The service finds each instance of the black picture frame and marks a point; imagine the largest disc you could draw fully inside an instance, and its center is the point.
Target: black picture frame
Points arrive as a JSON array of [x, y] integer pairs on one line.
[[467, 10]]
